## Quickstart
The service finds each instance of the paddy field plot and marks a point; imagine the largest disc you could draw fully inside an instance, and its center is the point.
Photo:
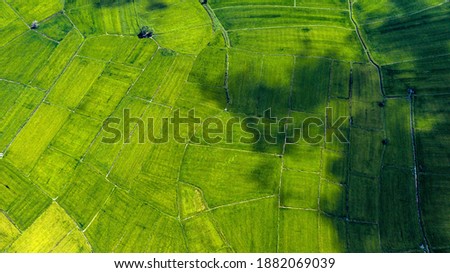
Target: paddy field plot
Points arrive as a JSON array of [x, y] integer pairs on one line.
[[69, 185]]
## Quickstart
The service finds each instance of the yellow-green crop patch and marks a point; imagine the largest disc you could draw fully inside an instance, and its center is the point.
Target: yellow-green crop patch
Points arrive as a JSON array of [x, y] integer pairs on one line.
[[37, 134], [18, 103], [48, 231], [8, 232], [69, 90], [107, 91], [10, 24], [202, 234], [59, 59], [299, 231], [113, 17]]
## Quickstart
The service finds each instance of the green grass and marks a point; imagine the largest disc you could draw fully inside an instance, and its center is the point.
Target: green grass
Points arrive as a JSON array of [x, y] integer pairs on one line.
[[121, 49], [398, 39], [303, 157], [257, 83], [191, 200], [369, 11], [102, 154], [340, 80], [363, 199], [73, 141], [20, 198], [332, 235], [423, 76], [136, 155], [398, 152], [56, 27], [159, 191], [172, 86], [295, 57], [56, 63], [36, 136], [315, 41], [432, 139], [107, 91], [100, 18], [18, 102], [8, 232], [367, 115], [300, 190], [248, 17], [202, 234], [89, 187], [235, 137], [227, 176], [334, 166], [339, 108], [151, 79], [366, 151], [22, 58], [299, 231], [36, 10], [363, 238], [69, 90], [10, 24], [209, 67], [332, 198], [114, 220], [398, 219], [231, 3], [254, 225], [434, 192], [53, 171], [365, 83], [310, 85]]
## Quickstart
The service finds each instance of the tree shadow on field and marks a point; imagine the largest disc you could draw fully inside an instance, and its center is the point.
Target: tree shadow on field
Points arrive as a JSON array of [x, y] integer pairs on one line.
[[294, 236], [110, 3], [425, 38], [155, 5]]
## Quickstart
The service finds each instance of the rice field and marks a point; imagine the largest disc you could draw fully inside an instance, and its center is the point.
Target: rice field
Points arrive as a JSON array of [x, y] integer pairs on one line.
[[381, 65]]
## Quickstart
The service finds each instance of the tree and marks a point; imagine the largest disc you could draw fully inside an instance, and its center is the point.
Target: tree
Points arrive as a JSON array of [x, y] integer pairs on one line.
[[145, 32], [34, 25]]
